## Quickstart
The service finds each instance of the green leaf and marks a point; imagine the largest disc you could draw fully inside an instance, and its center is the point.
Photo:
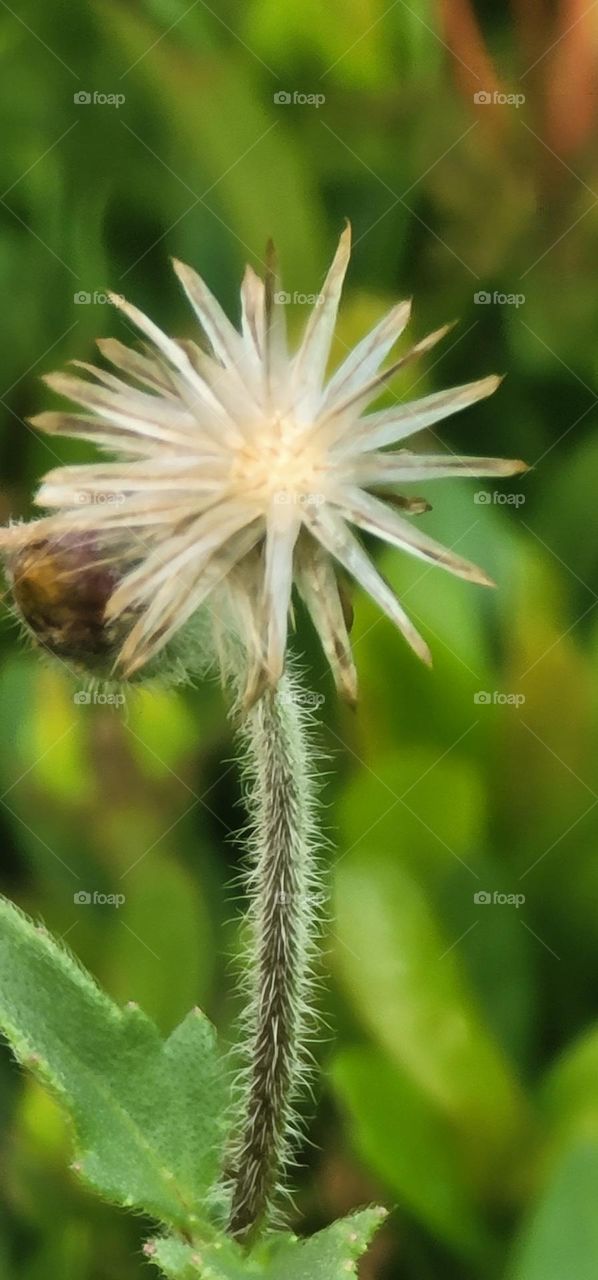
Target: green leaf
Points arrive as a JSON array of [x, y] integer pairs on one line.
[[569, 1094], [148, 1113], [398, 1133], [329, 1255], [166, 976], [562, 1236], [405, 980]]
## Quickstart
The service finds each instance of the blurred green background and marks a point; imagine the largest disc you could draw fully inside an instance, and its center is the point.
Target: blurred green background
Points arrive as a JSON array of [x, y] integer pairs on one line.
[[460, 1071]]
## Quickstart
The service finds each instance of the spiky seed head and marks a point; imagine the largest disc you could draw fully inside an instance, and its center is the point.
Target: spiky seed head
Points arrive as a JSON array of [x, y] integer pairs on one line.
[[239, 473]]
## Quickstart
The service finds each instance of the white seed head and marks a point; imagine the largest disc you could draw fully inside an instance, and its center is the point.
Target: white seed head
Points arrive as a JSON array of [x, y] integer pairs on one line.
[[236, 475]]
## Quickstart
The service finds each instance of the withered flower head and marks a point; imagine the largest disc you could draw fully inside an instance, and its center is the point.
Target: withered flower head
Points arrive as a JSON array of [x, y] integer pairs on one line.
[[239, 474]]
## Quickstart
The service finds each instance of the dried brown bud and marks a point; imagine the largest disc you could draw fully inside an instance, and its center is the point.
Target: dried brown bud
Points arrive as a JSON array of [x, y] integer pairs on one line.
[[61, 586]]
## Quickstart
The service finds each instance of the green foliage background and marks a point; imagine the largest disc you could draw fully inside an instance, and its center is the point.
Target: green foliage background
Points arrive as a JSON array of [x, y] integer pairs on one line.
[[460, 1073]]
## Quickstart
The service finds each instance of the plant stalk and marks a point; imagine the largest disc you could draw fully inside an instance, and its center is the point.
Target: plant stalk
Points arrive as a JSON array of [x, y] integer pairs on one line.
[[282, 922]]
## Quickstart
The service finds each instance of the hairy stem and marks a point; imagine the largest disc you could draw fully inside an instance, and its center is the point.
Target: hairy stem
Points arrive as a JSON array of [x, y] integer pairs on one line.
[[282, 926]]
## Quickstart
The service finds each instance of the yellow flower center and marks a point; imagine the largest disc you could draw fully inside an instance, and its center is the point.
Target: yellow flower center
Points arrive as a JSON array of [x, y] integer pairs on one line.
[[281, 465]]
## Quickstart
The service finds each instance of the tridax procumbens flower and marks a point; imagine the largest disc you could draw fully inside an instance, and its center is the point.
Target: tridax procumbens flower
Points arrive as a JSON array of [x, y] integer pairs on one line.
[[241, 470]]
